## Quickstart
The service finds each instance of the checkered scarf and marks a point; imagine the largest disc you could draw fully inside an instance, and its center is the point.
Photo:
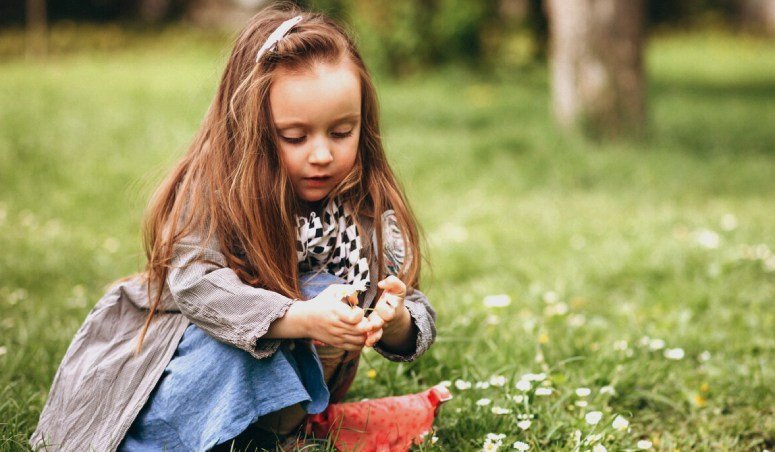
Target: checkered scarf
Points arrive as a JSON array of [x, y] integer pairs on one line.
[[331, 243]]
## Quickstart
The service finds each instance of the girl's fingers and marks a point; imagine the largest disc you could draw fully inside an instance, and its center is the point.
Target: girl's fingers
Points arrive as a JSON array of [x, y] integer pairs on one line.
[[384, 310], [393, 285], [373, 338], [376, 321], [349, 314], [359, 340]]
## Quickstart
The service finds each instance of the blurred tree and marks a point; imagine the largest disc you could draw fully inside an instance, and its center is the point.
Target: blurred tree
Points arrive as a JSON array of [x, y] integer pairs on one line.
[[37, 28], [759, 15], [596, 59]]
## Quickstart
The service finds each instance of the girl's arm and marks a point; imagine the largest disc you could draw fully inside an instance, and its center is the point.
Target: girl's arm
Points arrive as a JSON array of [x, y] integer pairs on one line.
[[414, 334], [213, 297]]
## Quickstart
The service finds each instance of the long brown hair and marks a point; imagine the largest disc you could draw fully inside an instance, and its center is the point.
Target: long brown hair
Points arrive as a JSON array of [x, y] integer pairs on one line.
[[231, 184]]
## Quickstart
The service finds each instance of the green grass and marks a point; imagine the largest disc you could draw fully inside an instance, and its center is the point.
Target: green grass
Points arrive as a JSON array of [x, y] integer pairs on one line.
[[612, 233]]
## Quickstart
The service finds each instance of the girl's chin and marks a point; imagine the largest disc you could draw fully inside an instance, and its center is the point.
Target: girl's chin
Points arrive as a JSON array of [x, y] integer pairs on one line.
[[313, 195]]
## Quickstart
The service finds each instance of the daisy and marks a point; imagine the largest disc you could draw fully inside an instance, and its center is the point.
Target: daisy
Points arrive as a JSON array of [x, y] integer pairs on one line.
[[498, 380], [519, 445], [543, 391], [675, 354], [608, 390], [593, 417], [656, 344], [644, 444], [583, 392], [620, 423], [462, 384], [497, 301]]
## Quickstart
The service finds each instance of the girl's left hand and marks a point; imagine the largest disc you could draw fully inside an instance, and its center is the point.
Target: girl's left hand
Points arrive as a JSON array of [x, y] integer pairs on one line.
[[389, 309]]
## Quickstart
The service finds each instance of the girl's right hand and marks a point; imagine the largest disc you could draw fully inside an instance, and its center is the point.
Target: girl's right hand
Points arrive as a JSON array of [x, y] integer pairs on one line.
[[327, 318]]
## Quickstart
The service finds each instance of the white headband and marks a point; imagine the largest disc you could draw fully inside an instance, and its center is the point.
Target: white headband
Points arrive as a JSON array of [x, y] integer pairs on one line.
[[277, 35]]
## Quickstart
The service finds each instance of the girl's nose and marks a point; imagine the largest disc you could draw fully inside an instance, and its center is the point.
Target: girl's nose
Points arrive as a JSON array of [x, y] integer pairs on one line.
[[321, 154]]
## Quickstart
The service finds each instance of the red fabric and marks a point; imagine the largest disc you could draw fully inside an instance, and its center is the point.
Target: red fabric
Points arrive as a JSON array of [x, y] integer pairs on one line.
[[390, 424]]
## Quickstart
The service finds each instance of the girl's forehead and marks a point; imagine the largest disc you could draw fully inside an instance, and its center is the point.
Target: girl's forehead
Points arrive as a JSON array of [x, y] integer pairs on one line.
[[319, 95]]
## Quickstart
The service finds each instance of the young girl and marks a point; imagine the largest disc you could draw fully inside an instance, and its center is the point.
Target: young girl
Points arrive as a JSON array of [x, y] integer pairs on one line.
[[281, 224]]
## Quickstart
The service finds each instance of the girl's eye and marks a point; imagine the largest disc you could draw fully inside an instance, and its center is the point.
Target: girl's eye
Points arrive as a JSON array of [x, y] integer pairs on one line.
[[293, 140], [342, 134]]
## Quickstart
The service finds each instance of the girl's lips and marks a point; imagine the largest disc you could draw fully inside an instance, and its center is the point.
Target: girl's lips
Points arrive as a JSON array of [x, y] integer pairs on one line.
[[317, 181]]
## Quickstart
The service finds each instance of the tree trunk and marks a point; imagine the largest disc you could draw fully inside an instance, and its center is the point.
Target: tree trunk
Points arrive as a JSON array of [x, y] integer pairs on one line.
[[596, 59], [37, 28], [759, 16]]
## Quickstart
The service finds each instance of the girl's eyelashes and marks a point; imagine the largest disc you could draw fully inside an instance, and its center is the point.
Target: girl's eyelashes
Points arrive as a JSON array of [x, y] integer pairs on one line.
[[299, 140], [293, 140], [342, 134]]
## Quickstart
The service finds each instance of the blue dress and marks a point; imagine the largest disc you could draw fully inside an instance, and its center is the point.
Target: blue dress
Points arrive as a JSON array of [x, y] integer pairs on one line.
[[211, 392]]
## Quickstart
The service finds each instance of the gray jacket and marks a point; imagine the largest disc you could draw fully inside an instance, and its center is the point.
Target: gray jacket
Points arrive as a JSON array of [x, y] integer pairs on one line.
[[100, 386]]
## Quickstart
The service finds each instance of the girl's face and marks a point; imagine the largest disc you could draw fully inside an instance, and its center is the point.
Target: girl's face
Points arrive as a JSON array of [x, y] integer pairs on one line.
[[317, 115]]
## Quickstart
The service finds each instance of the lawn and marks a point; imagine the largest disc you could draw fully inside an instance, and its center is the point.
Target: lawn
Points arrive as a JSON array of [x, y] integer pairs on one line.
[[633, 279]]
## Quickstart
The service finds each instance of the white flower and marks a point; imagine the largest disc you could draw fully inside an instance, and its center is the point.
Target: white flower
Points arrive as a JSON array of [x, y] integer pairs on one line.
[[707, 238], [704, 356], [620, 345], [674, 353], [497, 301], [524, 425], [490, 446], [550, 297], [492, 320], [581, 403], [728, 222], [483, 402], [462, 384], [583, 392], [592, 439], [534, 377], [523, 385], [593, 417], [608, 390], [577, 437], [445, 383], [500, 410], [518, 398], [519, 445], [620, 423], [493, 442], [544, 391], [656, 344], [434, 439], [599, 448], [482, 385], [644, 444], [498, 380], [577, 320]]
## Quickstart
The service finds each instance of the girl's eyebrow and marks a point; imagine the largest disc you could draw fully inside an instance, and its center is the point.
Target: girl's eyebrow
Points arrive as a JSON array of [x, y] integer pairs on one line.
[[295, 123]]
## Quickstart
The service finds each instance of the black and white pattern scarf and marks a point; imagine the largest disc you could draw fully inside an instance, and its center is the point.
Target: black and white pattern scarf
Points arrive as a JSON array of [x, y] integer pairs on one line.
[[330, 242]]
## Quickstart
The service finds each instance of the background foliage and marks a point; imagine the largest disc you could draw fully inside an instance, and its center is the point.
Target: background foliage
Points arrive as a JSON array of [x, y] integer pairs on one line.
[[610, 254]]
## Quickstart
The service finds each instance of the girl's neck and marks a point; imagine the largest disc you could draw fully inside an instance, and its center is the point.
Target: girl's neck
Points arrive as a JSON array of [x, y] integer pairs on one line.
[[307, 207]]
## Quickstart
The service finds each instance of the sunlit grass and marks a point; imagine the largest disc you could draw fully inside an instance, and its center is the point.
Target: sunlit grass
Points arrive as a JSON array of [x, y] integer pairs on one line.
[[611, 257]]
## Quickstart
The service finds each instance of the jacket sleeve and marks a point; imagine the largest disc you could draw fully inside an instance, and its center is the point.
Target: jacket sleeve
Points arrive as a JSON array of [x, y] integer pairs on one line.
[[213, 297], [422, 313]]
